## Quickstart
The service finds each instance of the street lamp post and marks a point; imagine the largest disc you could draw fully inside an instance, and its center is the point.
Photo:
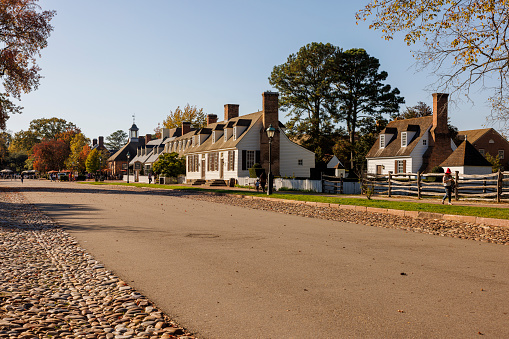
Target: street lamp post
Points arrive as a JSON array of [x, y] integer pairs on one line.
[[270, 133], [128, 157]]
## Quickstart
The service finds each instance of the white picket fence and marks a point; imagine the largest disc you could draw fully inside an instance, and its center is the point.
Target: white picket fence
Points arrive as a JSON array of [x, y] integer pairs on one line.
[[308, 185], [311, 185], [293, 184], [144, 179]]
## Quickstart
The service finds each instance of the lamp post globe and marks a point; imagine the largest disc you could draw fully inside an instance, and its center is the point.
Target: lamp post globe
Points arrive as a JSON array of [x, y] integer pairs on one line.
[[270, 133]]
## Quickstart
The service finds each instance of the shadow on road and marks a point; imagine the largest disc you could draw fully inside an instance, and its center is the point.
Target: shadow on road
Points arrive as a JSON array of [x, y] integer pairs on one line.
[[104, 190], [20, 215]]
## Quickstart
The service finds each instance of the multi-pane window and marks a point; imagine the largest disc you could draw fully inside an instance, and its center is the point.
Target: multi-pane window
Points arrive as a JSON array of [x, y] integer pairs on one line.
[[424, 142], [192, 163], [481, 150], [300, 162], [400, 166], [231, 160], [213, 161], [501, 154], [382, 141], [403, 139], [250, 159]]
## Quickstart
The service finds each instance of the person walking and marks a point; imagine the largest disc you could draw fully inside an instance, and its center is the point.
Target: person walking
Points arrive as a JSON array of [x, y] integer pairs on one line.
[[448, 182], [263, 180]]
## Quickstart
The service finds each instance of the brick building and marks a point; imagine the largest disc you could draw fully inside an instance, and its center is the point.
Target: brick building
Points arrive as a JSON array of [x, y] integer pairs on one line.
[[488, 140]]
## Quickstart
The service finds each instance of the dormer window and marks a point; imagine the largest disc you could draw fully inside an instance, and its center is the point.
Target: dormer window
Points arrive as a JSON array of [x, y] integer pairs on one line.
[[382, 140], [404, 139], [226, 137], [235, 133]]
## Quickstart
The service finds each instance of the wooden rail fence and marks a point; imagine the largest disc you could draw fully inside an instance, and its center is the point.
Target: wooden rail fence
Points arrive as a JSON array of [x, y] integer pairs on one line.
[[490, 187]]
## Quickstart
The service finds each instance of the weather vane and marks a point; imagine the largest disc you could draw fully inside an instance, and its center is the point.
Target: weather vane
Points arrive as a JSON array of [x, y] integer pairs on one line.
[[134, 118]]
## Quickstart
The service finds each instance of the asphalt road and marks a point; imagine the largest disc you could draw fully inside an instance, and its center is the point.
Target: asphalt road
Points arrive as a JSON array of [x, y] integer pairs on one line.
[[231, 272]]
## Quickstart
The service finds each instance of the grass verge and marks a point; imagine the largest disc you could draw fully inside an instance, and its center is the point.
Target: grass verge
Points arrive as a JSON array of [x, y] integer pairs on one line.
[[485, 212]]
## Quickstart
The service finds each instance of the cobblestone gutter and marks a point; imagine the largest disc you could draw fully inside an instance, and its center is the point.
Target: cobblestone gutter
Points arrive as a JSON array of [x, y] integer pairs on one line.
[[52, 288]]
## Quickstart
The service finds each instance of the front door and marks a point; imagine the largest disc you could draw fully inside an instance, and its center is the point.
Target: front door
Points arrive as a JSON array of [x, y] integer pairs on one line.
[[378, 169]]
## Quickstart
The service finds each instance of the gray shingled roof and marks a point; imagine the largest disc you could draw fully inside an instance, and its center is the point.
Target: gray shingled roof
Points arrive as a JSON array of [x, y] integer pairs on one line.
[[393, 147], [248, 120]]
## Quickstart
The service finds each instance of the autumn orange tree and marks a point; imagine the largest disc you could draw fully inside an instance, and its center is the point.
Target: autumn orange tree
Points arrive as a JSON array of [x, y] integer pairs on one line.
[[464, 42], [24, 30], [49, 155], [191, 114]]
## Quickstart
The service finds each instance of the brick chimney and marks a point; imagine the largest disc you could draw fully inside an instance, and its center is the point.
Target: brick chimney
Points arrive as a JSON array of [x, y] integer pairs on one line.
[[186, 127], [101, 142], [231, 111], [270, 107], [148, 137], [441, 140], [211, 119], [94, 142]]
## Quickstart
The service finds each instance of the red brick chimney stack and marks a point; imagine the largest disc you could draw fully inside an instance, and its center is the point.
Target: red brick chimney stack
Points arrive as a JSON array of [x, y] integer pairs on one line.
[[211, 119], [101, 142], [270, 108], [94, 142], [441, 140], [148, 138], [440, 113], [186, 127], [231, 111]]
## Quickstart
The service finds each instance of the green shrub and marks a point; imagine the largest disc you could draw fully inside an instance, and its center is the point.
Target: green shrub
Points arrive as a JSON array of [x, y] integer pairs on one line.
[[256, 171], [437, 169]]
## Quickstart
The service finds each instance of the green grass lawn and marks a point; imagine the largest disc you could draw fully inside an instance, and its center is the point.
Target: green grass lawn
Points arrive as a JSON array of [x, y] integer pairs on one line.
[[422, 205]]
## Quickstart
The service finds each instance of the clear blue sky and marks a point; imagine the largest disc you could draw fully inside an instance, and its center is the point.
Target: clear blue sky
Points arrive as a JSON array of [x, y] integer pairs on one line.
[[108, 60]]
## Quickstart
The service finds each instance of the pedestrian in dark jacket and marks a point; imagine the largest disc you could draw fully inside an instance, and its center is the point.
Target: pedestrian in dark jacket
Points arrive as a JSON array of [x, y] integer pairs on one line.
[[263, 181]]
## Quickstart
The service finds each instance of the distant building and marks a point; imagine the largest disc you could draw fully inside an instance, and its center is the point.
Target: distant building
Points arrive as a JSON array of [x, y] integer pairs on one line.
[[117, 163], [488, 140]]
